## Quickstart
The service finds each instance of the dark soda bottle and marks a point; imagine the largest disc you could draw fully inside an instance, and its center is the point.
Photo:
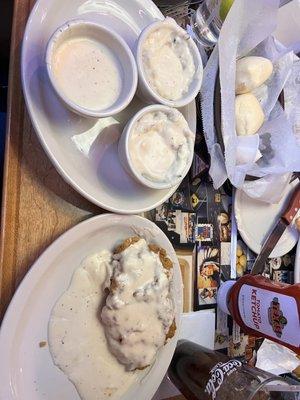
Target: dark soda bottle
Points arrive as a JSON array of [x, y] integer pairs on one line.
[[202, 374]]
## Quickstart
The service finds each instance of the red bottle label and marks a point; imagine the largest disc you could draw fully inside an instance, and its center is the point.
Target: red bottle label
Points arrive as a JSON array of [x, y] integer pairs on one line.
[[270, 313]]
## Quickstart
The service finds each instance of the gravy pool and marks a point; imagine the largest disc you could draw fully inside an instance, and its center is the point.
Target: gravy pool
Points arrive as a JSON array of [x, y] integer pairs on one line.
[[88, 73]]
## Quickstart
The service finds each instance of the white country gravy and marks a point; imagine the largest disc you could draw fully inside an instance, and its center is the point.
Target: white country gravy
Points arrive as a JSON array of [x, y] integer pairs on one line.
[[77, 339], [88, 73], [160, 146], [168, 61], [139, 310], [88, 351]]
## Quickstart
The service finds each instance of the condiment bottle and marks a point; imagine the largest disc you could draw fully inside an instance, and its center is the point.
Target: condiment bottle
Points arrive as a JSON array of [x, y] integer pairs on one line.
[[264, 308]]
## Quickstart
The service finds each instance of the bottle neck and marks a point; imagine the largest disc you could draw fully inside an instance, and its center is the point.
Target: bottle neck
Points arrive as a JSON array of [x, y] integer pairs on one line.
[[223, 296]]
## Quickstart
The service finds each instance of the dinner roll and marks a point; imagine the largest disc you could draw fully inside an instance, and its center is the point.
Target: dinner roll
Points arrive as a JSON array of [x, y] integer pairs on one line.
[[251, 72], [249, 115]]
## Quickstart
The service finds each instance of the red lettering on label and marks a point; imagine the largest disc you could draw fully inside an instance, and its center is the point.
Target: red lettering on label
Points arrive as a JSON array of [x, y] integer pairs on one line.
[[255, 309]]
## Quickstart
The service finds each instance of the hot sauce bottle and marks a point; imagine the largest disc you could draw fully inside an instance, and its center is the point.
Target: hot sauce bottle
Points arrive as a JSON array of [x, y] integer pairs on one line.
[[264, 308]]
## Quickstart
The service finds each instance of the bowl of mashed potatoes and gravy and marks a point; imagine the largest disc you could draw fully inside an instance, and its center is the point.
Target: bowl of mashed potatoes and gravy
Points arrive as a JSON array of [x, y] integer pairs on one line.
[[157, 147], [91, 69], [169, 64]]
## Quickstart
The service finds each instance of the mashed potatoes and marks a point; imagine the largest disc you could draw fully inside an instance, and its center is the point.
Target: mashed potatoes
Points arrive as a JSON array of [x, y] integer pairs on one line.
[[168, 61], [161, 146]]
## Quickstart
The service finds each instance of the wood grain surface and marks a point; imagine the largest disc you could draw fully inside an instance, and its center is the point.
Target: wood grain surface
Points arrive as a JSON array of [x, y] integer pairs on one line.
[[37, 205]]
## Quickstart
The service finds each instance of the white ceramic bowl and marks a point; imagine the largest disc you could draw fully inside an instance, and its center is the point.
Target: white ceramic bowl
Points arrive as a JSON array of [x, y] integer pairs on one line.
[[124, 154], [119, 48], [146, 92]]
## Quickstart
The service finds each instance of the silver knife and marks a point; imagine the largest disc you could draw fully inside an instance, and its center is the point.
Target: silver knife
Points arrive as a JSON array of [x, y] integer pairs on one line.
[[273, 238]]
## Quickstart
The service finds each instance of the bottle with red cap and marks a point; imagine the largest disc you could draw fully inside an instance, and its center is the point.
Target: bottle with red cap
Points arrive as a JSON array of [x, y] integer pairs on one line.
[[264, 308]]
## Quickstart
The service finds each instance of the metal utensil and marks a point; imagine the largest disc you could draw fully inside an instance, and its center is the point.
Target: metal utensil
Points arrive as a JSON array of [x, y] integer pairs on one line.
[[178, 9], [284, 221]]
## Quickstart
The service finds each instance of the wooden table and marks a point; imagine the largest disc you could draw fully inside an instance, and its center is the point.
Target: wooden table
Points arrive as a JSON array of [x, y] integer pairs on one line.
[[37, 205]]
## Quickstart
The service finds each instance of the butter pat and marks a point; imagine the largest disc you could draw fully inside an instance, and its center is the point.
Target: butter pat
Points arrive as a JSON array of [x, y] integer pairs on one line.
[[251, 72], [249, 115]]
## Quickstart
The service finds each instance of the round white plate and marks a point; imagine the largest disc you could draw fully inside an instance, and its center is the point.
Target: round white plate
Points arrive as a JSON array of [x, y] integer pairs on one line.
[[288, 28], [27, 371], [84, 150], [256, 219]]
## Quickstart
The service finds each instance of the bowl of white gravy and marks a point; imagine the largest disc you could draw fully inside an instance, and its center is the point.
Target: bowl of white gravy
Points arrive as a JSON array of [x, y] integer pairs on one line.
[[169, 64], [156, 147], [91, 69]]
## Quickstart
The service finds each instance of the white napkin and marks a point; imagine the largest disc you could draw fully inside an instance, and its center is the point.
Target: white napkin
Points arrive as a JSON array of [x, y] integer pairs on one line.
[[276, 359], [198, 327], [247, 30]]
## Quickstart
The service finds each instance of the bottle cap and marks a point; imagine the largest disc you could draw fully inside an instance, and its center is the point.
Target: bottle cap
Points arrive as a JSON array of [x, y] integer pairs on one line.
[[222, 297]]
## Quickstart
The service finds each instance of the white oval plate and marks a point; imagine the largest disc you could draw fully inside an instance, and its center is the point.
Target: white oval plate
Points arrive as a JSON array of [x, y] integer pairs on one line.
[[256, 219], [86, 159], [27, 371]]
